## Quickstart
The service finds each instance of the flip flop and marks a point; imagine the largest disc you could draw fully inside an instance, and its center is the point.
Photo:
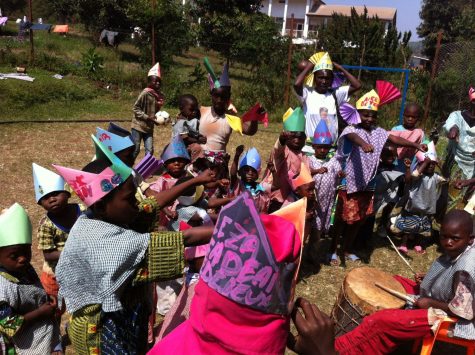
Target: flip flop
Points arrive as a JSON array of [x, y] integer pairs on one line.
[[334, 260], [352, 257], [418, 249], [402, 249]]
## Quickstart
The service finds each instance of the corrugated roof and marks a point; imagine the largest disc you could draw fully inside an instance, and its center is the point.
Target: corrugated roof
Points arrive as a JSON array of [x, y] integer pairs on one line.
[[384, 13]]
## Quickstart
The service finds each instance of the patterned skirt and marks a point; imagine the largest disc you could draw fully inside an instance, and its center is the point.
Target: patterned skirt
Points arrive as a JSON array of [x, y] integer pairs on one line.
[[414, 224], [355, 207]]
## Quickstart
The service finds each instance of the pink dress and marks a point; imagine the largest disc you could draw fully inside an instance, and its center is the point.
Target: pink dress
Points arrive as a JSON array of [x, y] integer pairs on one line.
[[164, 182], [416, 136]]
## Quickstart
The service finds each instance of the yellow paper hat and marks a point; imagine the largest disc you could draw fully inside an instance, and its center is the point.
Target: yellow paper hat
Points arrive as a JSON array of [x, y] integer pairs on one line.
[[322, 61], [304, 177], [369, 101]]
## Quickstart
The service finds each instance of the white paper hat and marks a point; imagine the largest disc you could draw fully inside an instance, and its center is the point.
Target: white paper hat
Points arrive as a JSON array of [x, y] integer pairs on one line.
[[45, 182], [155, 71]]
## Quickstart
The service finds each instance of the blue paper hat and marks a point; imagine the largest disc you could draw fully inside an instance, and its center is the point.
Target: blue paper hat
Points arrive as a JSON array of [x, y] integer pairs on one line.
[[176, 149], [45, 182], [112, 141], [224, 78], [116, 129], [322, 134], [251, 158]]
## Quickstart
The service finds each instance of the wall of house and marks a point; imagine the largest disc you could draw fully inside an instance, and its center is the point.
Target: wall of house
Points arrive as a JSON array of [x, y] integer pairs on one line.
[[297, 7]]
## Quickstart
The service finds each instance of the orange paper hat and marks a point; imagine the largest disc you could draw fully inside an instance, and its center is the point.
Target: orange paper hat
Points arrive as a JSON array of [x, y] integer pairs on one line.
[[304, 177]]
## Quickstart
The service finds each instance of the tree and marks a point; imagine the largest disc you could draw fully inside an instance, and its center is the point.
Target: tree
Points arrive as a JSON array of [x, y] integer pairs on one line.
[[10, 6]]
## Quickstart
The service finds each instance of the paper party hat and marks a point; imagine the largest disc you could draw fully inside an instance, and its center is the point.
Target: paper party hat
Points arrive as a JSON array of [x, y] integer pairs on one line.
[[114, 142], [322, 134], [387, 92], [431, 153], [155, 71], [369, 101], [304, 177], [224, 78], [251, 158], [45, 182], [349, 114], [294, 120], [148, 165], [91, 187], [322, 61], [116, 129], [15, 226], [176, 149]]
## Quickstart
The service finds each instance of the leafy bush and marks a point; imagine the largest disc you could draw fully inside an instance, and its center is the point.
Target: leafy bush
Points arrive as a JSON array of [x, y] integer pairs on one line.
[[92, 62]]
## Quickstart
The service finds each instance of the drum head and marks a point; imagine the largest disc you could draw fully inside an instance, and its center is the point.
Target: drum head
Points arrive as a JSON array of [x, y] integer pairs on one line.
[[361, 290]]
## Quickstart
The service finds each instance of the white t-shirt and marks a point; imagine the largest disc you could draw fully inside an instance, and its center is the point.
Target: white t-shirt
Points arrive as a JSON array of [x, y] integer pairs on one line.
[[317, 106]]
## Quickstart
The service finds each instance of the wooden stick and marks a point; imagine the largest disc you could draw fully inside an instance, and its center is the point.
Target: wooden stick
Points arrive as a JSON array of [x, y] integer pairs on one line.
[[395, 293], [402, 257]]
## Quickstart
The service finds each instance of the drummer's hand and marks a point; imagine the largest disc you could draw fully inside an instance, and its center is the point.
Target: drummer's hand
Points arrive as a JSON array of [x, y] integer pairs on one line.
[[423, 303], [419, 276], [315, 330]]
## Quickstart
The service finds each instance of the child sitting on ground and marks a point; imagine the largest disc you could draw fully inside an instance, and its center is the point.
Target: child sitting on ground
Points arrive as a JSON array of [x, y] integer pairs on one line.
[[54, 227], [287, 156], [408, 130], [188, 121], [325, 173], [175, 159], [415, 220], [249, 168], [27, 317], [105, 269], [359, 150]]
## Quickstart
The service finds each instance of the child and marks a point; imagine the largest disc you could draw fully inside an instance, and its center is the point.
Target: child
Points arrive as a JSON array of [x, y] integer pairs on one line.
[[287, 156], [54, 227], [27, 316], [325, 173], [408, 130], [389, 187], [424, 191], [229, 308], [249, 168], [105, 269], [175, 158], [149, 102], [188, 121], [359, 150]]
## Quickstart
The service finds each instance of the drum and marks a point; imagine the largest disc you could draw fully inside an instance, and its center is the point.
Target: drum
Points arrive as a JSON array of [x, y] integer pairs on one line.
[[360, 297]]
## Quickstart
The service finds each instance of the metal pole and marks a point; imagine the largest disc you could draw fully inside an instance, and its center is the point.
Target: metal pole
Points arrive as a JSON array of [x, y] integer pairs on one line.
[[289, 62], [153, 32], [32, 47], [432, 77], [404, 94]]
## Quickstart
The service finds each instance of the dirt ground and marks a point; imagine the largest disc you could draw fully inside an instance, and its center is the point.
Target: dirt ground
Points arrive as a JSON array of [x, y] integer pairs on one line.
[[70, 145]]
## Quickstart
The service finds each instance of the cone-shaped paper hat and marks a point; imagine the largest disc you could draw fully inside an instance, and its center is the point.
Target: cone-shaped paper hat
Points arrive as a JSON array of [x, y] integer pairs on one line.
[[213, 79], [15, 227], [155, 71], [304, 177], [46, 181], [369, 101], [322, 61], [295, 121], [322, 134], [431, 153], [176, 149], [295, 214], [224, 78], [112, 141], [116, 129], [91, 187], [251, 158]]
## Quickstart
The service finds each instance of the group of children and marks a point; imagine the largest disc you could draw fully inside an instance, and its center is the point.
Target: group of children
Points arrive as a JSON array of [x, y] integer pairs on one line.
[[142, 244]]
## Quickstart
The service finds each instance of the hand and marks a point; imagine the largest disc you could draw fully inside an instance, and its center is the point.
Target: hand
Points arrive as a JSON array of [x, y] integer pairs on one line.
[[202, 139], [422, 147], [460, 184], [283, 137], [453, 133], [423, 303], [336, 66], [407, 162], [341, 174], [309, 214], [315, 330], [205, 177], [224, 183], [173, 215], [321, 170], [270, 166], [239, 150], [419, 276], [48, 309], [367, 148]]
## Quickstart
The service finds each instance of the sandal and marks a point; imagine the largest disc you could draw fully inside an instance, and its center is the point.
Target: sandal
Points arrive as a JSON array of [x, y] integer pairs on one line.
[[402, 249], [418, 249], [334, 260], [352, 257]]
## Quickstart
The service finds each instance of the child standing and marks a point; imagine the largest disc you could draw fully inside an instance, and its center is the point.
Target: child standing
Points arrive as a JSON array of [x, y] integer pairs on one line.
[[54, 227], [249, 168], [106, 269], [149, 102], [408, 130], [415, 220], [325, 173], [359, 150], [27, 316], [188, 121]]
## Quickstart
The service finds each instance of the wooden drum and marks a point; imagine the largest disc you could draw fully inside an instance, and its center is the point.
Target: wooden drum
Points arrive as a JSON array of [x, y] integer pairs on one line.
[[360, 297]]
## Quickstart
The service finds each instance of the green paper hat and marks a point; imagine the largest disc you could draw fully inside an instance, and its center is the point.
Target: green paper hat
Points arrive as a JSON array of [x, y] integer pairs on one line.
[[15, 227], [211, 73], [294, 122]]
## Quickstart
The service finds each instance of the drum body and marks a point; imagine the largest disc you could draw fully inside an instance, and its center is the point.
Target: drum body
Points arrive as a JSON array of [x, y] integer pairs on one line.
[[360, 297]]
